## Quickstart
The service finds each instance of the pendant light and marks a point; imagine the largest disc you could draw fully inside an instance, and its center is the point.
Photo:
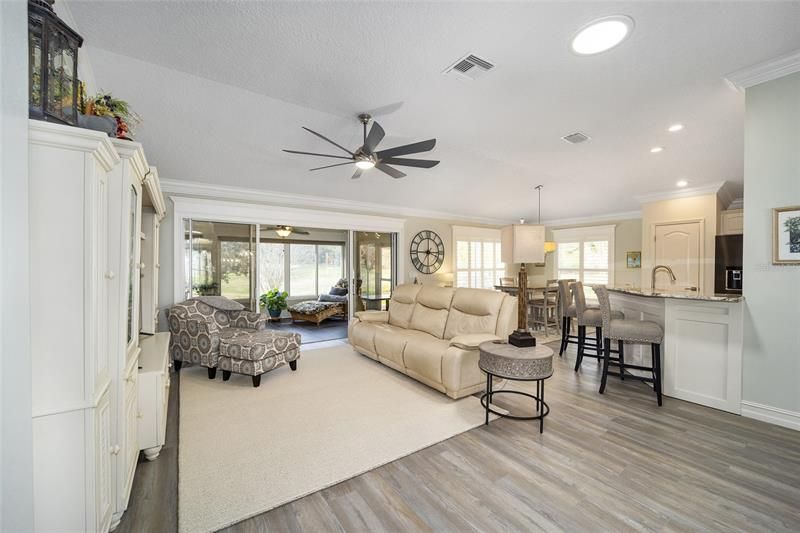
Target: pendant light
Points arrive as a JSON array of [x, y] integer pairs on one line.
[[549, 246]]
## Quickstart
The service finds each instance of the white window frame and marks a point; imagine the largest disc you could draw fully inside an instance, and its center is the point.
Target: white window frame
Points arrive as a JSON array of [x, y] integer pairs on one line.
[[474, 234], [587, 234]]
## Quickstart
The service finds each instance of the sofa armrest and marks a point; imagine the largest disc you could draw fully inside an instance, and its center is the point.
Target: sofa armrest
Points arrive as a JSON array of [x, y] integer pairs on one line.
[[373, 316], [472, 341]]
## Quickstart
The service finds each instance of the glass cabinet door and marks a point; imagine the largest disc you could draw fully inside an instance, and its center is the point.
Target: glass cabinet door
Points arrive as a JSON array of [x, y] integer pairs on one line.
[[374, 269]]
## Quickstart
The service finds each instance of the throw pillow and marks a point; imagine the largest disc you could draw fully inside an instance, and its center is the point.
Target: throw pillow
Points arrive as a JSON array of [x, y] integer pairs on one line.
[[332, 298], [338, 291]]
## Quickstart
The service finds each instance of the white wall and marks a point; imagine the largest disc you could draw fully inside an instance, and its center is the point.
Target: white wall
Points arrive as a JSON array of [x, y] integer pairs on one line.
[[16, 460], [771, 367]]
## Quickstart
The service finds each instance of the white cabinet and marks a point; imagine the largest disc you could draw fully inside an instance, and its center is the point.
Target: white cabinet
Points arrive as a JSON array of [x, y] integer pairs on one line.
[[125, 188], [154, 384], [68, 187], [732, 222], [150, 229], [86, 197]]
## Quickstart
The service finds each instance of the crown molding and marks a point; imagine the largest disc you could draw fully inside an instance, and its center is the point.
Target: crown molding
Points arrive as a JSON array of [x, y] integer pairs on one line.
[[594, 220], [72, 138], [772, 69], [226, 192], [687, 192], [737, 203]]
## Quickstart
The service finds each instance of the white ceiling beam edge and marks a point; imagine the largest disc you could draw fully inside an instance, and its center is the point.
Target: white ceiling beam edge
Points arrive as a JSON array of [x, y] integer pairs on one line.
[[593, 220], [226, 192], [769, 70]]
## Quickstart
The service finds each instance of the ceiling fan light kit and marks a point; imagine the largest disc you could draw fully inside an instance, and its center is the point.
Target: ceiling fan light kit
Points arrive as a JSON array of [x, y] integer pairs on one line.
[[366, 157]]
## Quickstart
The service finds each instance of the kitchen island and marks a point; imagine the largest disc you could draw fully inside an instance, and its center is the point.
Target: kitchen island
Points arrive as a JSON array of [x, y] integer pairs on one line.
[[702, 348]]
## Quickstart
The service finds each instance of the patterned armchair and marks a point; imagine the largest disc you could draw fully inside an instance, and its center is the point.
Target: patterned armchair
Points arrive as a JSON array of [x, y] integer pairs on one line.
[[195, 328]]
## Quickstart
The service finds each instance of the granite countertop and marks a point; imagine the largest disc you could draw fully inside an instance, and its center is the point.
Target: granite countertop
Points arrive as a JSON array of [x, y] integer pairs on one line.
[[678, 295]]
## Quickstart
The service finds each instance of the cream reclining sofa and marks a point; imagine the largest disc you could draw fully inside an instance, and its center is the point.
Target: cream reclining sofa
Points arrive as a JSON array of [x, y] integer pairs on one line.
[[432, 334]]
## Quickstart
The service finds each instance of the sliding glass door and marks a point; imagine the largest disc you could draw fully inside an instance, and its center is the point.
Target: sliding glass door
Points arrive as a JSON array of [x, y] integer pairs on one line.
[[374, 269], [220, 258], [305, 265]]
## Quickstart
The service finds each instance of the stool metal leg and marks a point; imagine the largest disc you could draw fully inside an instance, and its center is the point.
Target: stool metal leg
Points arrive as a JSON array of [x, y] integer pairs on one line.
[[581, 346], [656, 350], [606, 357]]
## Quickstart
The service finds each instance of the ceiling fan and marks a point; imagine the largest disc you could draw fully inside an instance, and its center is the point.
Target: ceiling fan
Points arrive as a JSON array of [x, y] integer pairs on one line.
[[285, 231], [365, 157]]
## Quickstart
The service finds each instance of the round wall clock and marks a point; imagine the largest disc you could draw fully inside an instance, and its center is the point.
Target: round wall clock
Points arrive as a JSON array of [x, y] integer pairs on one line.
[[427, 252]]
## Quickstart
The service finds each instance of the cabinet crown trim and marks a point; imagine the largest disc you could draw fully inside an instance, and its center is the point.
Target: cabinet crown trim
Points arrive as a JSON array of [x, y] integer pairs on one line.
[[71, 138]]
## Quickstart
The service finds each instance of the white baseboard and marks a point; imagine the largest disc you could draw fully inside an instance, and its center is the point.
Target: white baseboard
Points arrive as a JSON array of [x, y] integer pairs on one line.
[[773, 415]]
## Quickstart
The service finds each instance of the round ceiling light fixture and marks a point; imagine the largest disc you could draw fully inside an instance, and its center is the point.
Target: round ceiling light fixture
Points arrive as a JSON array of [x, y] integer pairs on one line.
[[365, 164], [656, 149], [682, 183], [675, 127], [602, 34]]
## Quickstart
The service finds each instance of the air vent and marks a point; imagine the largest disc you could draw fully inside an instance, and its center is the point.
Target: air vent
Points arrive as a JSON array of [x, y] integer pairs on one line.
[[576, 138], [470, 67]]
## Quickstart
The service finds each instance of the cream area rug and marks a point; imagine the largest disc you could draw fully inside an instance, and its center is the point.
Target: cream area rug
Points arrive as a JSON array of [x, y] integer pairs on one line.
[[246, 450]]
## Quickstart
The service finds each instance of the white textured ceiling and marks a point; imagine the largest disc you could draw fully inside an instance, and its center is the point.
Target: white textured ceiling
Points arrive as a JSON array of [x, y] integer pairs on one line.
[[224, 86]]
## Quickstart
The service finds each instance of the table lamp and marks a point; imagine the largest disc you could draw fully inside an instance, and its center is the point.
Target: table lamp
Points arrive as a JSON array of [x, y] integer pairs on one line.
[[522, 243]]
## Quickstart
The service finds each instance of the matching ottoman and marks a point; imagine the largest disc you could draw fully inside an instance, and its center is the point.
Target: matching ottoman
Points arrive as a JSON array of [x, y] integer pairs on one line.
[[255, 352]]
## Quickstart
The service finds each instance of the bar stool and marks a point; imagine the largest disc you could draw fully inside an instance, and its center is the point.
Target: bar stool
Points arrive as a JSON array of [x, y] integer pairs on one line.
[[632, 331], [566, 309], [545, 308], [590, 316]]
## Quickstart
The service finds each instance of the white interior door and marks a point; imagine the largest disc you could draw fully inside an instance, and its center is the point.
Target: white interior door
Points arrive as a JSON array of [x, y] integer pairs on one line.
[[678, 247]]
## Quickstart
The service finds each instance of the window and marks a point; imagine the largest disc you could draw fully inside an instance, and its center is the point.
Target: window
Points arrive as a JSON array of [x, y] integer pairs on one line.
[[585, 254], [477, 254], [301, 269]]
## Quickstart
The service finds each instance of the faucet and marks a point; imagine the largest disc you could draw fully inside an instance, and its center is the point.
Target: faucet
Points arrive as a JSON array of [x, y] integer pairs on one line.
[[656, 269]]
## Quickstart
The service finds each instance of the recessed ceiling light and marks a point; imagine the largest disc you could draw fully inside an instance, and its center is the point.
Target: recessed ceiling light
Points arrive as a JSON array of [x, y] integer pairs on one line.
[[602, 34], [656, 149], [682, 183], [675, 127]]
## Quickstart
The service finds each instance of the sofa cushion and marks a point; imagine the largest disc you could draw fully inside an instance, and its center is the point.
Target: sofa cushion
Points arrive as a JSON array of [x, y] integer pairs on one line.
[[473, 311], [423, 356], [431, 310], [401, 305], [390, 343]]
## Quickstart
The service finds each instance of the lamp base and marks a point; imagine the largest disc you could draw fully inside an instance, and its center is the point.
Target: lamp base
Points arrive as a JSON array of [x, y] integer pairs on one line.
[[522, 339]]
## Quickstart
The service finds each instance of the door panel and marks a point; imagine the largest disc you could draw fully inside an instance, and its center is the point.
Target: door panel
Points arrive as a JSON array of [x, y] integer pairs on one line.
[[374, 269], [678, 247]]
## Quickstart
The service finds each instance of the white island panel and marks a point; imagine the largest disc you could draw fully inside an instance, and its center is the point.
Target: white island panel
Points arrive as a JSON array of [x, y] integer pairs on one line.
[[702, 348]]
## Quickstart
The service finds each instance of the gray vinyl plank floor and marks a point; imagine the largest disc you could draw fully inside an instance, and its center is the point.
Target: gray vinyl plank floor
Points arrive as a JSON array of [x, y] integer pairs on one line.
[[612, 462]]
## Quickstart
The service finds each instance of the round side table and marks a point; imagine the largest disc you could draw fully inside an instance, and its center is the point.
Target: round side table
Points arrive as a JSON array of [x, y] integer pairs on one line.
[[499, 359]]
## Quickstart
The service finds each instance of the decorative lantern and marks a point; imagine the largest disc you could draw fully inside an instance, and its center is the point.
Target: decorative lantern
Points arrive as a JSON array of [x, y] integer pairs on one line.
[[52, 65]]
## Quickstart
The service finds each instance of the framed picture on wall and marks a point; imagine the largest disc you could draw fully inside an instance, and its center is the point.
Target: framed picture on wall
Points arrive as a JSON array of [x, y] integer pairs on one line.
[[786, 235], [634, 259]]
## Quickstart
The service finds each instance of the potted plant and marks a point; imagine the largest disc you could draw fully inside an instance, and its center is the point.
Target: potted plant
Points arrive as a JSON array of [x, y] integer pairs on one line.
[[118, 116], [275, 302]]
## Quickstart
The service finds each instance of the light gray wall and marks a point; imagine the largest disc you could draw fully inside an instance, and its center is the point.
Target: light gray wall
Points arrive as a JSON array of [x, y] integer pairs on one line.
[[16, 459], [771, 368]]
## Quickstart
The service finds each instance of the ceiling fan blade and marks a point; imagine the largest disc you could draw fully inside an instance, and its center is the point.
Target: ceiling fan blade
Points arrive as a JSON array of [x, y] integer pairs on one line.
[[375, 136], [393, 172], [329, 166], [421, 163], [316, 154], [326, 139], [357, 174], [422, 146]]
